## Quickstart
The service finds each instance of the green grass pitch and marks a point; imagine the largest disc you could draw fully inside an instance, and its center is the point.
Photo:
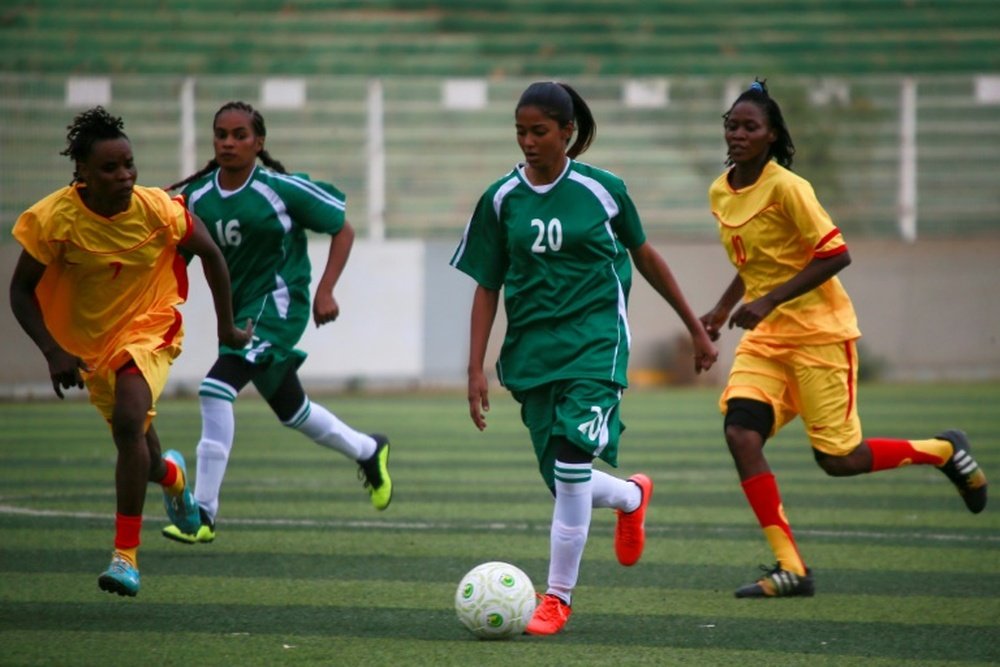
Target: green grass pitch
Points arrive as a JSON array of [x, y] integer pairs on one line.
[[305, 572]]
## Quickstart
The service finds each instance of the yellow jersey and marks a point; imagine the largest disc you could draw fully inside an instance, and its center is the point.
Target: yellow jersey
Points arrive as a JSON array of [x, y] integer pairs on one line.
[[109, 283], [771, 230]]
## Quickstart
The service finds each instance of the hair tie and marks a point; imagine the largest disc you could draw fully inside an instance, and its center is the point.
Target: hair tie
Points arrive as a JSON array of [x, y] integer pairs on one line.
[[758, 86]]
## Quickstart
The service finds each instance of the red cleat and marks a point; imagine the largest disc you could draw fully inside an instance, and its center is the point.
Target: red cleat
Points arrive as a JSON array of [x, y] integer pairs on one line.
[[550, 616], [630, 532]]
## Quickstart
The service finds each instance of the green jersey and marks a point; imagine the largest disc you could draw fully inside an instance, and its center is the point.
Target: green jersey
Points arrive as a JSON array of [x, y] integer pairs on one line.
[[261, 229], [559, 252]]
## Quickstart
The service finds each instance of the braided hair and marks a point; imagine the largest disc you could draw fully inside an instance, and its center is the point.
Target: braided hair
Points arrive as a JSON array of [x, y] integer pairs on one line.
[[564, 105], [259, 129], [88, 128], [782, 149]]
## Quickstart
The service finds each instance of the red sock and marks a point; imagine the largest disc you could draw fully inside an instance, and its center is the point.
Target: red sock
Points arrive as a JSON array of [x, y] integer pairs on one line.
[[762, 493], [893, 453], [169, 477], [127, 529]]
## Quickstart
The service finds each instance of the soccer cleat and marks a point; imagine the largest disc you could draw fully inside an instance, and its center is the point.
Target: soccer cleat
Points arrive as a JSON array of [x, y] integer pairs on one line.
[[182, 510], [121, 577], [550, 616], [204, 534], [964, 472], [630, 531], [374, 472], [778, 583]]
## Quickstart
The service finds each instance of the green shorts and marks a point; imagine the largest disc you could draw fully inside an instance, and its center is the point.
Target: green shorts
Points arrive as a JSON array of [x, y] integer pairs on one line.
[[275, 334], [584, 412]]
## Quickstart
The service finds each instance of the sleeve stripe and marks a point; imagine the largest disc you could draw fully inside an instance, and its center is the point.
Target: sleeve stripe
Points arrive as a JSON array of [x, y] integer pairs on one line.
[[823, 241], [831, 253]]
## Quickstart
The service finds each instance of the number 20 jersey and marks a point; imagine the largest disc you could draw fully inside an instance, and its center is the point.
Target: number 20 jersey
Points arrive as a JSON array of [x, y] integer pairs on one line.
[[559, 252]]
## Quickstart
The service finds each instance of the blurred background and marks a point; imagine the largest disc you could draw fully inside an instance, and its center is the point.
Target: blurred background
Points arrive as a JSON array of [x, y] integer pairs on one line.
[[408, 108]]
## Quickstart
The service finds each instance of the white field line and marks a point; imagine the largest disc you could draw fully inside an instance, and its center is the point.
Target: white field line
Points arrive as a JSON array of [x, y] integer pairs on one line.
[[14, 510]]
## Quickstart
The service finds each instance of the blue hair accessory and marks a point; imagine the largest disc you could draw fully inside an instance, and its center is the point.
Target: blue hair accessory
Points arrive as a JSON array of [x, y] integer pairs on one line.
[[758, 86]]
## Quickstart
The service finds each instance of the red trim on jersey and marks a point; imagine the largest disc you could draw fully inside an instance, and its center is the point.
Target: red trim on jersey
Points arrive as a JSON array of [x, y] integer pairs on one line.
[[187, 217], [830, 235], [831, 253], [850, 379], [823, 254], [181, 275], [168, 337]]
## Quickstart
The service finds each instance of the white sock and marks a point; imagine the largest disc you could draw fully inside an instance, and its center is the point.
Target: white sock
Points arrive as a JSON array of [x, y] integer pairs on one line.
[[618, 494], [217, 430], [324, 428], [570, 526]]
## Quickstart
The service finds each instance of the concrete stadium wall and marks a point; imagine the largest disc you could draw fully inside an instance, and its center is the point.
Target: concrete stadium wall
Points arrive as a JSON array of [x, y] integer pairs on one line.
[[928, 311]]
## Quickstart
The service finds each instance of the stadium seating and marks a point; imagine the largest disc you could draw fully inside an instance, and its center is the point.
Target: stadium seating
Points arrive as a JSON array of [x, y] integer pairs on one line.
[[668, 154], [510, 37]]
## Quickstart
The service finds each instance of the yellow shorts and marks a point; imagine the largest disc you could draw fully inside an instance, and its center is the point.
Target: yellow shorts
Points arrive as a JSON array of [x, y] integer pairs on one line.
[[154, 366], [817, 382]]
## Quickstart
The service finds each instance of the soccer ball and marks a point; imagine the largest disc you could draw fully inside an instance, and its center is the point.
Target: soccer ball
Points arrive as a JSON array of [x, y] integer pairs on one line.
[[495, 600]]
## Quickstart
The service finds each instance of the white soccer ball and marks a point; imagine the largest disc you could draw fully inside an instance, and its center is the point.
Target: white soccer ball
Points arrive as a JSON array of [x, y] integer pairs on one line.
[[495, 600]]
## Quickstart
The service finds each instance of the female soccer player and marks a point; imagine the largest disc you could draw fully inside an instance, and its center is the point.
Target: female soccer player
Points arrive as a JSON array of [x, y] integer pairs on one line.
[[96, 288], [259, 217], [553, 233], [798, 356]]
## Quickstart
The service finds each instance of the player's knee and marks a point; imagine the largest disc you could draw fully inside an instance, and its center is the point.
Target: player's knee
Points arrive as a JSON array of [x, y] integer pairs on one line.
[[838, 466], [212, 449], [745, 416]]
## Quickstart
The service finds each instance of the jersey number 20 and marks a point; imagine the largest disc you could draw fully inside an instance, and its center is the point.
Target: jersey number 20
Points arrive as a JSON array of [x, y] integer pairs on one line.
[[549, 236]]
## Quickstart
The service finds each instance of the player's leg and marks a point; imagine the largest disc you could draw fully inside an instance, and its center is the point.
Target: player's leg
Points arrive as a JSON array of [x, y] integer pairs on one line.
[[570, 517], [132, 404], [170, 472], [371, 452], [630, 499], [830, 403], [757, 402], [216, 395], [748, 424]]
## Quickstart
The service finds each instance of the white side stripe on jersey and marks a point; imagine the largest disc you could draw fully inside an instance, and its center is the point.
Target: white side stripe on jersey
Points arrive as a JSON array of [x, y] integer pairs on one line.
[[599, 191], [502, 192], [461, 245], [282, 297], [313, 189], [197, 194], [276, 203]]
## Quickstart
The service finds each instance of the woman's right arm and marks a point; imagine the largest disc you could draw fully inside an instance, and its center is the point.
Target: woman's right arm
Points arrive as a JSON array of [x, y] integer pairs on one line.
[[64, 368], [715, 318], [484, 311]]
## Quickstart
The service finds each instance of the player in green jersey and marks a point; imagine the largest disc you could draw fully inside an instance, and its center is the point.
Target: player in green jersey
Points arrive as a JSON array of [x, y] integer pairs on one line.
[[259, 216], [556, 234]]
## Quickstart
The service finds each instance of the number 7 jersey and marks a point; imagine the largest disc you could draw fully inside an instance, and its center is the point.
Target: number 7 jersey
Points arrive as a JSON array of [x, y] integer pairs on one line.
[[559, 252], [109, 283]]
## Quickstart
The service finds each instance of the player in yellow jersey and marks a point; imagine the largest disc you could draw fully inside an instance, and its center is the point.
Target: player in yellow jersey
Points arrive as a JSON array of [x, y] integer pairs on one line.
[[798, 355], [96, 288]]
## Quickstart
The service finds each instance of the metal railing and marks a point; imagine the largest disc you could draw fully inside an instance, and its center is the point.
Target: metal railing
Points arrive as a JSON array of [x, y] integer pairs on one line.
[[894, 157]]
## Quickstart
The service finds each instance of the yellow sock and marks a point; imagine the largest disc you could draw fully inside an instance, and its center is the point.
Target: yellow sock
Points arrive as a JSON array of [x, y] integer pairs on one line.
[[784, 550], [177, 488], [934, 447], [131, 555]]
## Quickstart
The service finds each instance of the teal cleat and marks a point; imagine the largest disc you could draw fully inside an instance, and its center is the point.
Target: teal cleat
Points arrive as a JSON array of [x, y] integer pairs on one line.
[[121, 577], [182, 510], [204, 534]]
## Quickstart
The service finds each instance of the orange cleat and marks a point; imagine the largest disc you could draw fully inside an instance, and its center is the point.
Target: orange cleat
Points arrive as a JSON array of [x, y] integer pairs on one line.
[[630, 531], [550, 616]]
